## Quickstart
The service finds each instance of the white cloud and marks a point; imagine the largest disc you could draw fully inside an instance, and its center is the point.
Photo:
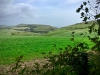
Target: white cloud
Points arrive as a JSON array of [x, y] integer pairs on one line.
[[20, 10], [11, 13]]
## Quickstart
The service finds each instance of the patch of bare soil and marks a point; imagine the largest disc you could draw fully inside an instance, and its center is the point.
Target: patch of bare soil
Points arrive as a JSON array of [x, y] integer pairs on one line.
[[29, 65]]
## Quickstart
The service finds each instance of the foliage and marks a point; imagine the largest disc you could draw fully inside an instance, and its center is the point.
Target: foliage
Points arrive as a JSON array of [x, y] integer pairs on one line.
[[86, 15]]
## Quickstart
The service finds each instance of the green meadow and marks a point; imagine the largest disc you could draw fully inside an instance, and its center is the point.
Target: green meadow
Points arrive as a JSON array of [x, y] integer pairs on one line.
[[31, 45]]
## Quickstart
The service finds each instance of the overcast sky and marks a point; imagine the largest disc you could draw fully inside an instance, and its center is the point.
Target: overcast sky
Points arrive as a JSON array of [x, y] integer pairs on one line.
[[56, 13]]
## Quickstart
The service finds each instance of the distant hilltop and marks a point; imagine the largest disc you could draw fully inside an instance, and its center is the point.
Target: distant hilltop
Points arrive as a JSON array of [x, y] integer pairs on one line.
[[34, 28]]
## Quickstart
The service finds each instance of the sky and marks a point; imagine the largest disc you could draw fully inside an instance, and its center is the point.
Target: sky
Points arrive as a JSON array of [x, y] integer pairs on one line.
[[58, 13]]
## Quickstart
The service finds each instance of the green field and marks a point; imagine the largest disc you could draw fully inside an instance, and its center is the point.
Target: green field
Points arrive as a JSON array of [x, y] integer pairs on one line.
[[31, 45]]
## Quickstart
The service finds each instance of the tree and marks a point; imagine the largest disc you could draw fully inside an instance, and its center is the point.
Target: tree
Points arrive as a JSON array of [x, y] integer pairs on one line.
[[95, 18], [94, 28]]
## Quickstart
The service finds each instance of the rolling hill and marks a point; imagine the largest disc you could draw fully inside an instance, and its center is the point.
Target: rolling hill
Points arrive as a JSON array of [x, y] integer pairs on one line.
[[44, 30], [35, 28], [78, 28], [26, 29]]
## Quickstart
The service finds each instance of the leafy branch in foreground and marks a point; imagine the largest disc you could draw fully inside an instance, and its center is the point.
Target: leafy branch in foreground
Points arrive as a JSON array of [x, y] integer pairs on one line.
[[87, 15]]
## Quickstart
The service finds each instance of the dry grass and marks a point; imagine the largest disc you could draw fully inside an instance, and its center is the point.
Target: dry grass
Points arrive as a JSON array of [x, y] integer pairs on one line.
[[29, 65]]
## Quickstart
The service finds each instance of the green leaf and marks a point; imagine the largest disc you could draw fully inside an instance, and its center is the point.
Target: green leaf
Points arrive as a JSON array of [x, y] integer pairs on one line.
[[73, 32], [81, 6], [85, 19], [98, 2], [82, 14], [97, 16], [86, 10], [84, 3], [96, 6], [88, 17], [88, 1], [78, 10]]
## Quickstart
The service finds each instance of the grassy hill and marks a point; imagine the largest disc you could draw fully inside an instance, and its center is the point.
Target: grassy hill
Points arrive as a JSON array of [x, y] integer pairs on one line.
[[44, 30], [35, 28], [26, 29], [78, 28]]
